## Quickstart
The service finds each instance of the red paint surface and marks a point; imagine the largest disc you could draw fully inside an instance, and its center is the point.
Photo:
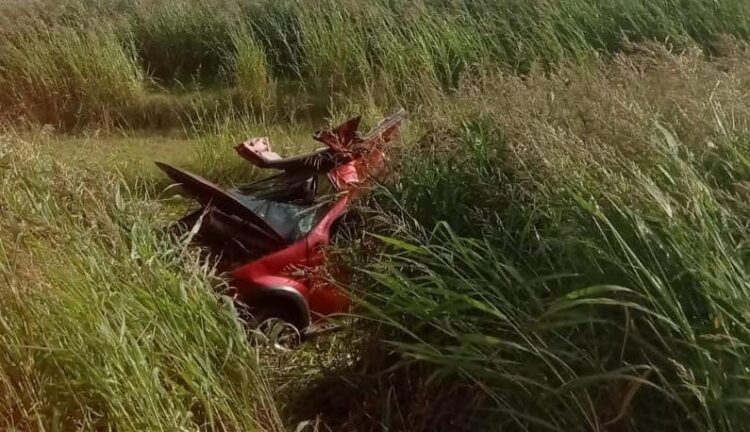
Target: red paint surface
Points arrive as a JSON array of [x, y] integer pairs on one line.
[[297, 266]]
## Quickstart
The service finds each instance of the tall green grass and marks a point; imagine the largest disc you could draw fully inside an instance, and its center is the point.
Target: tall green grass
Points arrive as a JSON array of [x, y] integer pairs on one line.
[[571, 275], [251, 72], [565, 248], [106, 323], [326, 50], [183, 42], [66, 75]]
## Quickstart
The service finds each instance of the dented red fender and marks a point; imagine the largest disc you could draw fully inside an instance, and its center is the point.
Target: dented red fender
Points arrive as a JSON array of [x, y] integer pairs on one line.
[[294, 266]]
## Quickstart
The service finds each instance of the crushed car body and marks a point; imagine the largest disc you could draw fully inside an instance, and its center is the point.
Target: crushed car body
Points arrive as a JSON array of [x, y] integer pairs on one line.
[[271, 234]]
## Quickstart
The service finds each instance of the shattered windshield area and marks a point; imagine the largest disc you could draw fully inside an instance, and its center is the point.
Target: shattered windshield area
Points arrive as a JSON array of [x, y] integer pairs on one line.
[[296, 187], [290, 203]]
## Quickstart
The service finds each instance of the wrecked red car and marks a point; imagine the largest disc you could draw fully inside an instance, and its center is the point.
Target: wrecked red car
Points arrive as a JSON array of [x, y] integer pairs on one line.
[[271, 234]]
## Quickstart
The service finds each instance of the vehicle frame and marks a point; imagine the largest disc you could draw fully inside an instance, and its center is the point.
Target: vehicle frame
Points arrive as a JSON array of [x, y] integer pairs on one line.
[[271, 235]]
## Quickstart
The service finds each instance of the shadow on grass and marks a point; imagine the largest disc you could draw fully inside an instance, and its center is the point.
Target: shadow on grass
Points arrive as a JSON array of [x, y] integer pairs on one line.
[[380, 392]]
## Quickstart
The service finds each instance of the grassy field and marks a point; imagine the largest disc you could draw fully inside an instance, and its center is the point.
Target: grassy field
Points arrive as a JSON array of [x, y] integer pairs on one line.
[[563, 234]]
